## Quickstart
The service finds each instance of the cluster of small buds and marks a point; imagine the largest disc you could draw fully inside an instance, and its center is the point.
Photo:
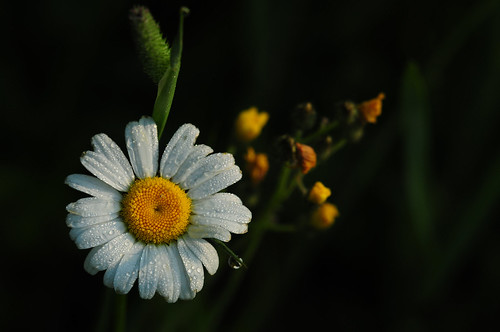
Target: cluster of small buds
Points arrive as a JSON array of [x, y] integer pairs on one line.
[[312, 140], [327, 134]]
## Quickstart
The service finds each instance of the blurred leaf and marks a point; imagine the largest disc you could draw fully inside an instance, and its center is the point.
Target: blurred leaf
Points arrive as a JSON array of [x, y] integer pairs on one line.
[[474, 218], [415, 112], [459, 34]]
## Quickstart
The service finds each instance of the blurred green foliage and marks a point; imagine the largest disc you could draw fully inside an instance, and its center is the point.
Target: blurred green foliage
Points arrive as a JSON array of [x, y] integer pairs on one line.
[[417, 245]]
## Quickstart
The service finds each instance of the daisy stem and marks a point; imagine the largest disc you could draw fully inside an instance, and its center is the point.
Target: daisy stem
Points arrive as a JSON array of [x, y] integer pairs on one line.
[[120, 312]]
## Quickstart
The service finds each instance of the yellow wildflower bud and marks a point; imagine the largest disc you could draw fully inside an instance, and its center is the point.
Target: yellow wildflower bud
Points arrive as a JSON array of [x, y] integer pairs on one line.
[[319, 193], [371, 109], [257, 165], [249, 124], [324, 216], [306, 157]]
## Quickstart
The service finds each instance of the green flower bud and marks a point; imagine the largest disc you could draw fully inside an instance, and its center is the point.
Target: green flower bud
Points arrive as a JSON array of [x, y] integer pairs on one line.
[[152, 46]]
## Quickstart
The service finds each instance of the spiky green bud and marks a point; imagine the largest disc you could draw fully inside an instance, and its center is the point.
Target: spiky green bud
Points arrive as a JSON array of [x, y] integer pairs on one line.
[[153, 48]]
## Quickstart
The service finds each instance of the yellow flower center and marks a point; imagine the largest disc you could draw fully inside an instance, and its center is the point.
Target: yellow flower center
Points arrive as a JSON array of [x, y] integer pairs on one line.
[[156, 210]]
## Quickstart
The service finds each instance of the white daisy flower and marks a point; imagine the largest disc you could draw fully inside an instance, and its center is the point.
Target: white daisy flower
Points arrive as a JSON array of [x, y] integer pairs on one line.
[[148, 220]]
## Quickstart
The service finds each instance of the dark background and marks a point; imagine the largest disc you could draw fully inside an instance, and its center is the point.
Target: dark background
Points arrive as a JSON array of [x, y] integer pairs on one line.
[[417, 245]]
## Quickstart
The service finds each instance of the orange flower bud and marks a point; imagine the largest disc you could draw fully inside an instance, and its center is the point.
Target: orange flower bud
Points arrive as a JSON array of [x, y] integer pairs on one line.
[[324, 216], [371, 109], [319, 193], [306, 157], [257, 165], [249, 124]]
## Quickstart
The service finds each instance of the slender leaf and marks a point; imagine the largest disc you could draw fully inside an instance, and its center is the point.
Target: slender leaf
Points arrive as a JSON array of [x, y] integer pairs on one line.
[[167, 84]]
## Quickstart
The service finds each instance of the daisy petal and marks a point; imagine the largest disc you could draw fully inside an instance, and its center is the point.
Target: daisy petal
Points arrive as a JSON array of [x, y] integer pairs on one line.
[[197, 152], [99, 234], [128, 269], [232, 226], [106, 146], [217, 183], [205, 252], [93, 207], [111, 252], [202, 231], [149, 271], [76, 221], [92, 186], [106, 170], [165, 278], [109, 275], [218, 206], [142, 146], [207, 168], [87, 265], [182, 287], [75, 232], [193, 265], [178, 149], [227, 197]]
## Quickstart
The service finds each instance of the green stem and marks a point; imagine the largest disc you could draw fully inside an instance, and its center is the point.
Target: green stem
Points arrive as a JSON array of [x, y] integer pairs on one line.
[[281, 193], [260, 225], [120, 312], [321, 132], [340, 144], [230, 252], [299, 183]]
